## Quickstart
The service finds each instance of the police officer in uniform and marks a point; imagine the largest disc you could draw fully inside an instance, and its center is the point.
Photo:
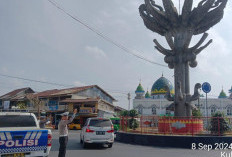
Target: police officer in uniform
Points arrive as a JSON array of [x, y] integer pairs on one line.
[[63, 131]]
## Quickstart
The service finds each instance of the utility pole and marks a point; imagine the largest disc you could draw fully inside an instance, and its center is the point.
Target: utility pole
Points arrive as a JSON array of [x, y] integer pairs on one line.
[[129, 97]]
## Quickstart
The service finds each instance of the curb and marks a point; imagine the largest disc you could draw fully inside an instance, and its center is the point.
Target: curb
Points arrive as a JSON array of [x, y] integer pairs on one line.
[[188, 142]]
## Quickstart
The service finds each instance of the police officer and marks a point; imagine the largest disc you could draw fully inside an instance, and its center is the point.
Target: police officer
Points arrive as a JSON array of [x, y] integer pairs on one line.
[[63, 131]]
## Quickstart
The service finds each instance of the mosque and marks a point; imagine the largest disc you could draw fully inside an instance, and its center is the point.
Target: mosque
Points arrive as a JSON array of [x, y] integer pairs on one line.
[[154, 102]]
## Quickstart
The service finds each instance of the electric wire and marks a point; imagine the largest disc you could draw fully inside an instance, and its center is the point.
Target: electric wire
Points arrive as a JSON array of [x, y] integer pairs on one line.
[[117, 44]]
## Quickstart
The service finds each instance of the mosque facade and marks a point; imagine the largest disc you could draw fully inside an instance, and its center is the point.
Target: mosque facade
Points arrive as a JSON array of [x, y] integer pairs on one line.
[[155, 103]]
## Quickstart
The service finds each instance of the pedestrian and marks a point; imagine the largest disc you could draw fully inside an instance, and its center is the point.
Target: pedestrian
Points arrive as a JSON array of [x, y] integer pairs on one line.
[[43, 121], [63, 131]]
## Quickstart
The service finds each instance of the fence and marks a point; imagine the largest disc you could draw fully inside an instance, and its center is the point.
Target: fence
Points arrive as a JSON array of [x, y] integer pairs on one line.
[[190, 126]]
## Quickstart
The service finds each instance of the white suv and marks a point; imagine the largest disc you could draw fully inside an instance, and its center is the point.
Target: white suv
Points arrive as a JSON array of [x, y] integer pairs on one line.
[[97, 130]]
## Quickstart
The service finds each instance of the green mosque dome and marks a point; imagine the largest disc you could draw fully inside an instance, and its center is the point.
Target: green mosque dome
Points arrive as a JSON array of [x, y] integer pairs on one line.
[[147, 95], [159, 86], [139, 89], [222, 94]]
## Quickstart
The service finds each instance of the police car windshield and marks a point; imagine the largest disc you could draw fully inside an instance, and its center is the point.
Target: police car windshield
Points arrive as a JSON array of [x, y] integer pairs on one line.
[[17, 121], [100, 123]]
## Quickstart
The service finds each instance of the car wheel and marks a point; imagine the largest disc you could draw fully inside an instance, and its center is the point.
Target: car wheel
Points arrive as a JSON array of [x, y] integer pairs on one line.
[[110, 145], [84, 145], [81, 140]]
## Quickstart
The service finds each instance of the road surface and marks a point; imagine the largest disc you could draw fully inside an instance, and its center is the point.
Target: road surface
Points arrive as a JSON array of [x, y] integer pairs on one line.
[[74, 149]]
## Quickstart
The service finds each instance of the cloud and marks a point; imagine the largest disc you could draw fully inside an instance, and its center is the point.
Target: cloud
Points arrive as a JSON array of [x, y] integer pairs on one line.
[[96, 52], [79, 83], [211, 58], [4, 69], [18, 83]]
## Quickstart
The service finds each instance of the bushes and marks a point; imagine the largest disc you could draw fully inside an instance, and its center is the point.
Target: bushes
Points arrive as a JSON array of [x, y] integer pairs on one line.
[[132, 122], [218, 124], [196, 113]]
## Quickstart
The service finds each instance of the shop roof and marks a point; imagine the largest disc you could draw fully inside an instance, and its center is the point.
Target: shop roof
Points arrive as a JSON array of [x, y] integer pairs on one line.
[[68, 91], [15, 94], [79, 100]]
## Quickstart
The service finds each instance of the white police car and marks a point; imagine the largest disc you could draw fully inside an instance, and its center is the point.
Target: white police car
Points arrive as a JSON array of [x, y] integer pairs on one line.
[[98, 131], [21, 136]]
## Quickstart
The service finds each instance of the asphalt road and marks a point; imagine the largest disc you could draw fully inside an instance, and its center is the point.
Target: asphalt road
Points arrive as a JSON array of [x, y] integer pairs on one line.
[[74, 149]]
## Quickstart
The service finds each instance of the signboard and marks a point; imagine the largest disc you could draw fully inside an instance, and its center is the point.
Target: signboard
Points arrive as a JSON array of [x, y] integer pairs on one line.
[[53, 105], [178, 125], [6, 104], [85, 110], [206, 87], [53, 108]]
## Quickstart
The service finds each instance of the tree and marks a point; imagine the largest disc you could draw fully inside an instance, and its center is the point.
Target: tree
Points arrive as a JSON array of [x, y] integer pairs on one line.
[[133, 113], [196, 113], [37, 103], [124, 113], [133, 123], [219, 124]]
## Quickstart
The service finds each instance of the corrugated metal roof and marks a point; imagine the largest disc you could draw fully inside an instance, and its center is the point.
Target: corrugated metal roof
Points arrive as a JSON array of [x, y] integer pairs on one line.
[[15, 94], [59, 92], [80, 100]]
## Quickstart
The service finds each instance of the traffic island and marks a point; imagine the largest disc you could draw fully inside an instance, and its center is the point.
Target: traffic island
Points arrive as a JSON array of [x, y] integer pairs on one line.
[[181, 126], [189, 142]]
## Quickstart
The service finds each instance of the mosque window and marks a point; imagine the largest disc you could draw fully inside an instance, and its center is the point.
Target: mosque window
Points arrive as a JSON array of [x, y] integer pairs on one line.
[[153, 110], [140, 110], [213, 110], [229, 111]]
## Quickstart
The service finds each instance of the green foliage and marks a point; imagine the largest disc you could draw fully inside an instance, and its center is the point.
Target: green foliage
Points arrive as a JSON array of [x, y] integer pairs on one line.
[[22, 106], [124, 113], [133, 113], [133, 123], [218, 123], [196, 113]]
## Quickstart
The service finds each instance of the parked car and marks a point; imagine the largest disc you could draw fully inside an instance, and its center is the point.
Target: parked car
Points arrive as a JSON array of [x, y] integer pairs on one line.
[[98, 131], [20, 135], [74, 126]]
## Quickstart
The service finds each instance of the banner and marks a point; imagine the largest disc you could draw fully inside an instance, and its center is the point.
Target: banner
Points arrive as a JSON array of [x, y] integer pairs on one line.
[[6, 104]]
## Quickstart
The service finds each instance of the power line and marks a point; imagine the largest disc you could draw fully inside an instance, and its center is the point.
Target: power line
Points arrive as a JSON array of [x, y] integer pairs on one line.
[[56, 84], [63, 85], [124, 48], [26, 79]]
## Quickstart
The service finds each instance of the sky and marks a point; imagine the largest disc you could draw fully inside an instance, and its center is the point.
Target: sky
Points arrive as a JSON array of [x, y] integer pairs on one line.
[[40, 42]]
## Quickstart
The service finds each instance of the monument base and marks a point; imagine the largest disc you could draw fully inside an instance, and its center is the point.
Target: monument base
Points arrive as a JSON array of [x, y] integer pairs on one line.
[[180, 126]]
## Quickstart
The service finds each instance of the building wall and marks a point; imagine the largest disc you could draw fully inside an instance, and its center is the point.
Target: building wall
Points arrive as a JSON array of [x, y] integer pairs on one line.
[[160, 105], [105, 107], [94, 93]]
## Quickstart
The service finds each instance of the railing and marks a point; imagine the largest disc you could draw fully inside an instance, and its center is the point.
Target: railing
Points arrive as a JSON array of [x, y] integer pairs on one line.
[[190, 126]]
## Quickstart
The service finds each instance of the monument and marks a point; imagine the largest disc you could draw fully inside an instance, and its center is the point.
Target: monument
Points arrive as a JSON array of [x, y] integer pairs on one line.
[[178, 30]]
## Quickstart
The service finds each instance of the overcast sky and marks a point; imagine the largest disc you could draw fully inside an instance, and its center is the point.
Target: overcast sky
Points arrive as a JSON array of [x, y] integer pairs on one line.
[[40, 42]]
